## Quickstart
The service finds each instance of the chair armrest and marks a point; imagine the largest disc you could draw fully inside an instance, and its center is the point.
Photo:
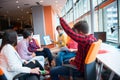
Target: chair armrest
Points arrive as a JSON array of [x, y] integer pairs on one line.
[[19, 75]]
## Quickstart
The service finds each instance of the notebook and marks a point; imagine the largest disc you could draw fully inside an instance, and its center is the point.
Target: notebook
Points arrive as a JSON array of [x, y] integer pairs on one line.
[[47, 40]]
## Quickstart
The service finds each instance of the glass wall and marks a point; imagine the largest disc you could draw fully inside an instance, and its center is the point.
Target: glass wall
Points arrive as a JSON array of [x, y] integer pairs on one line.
[[105, 16], [111, 22]]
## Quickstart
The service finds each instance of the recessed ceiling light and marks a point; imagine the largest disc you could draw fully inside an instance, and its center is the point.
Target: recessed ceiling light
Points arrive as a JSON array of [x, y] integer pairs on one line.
[[21, 9], [17, 1], [41, 0], [18, 19], [56, 1], [27, 12], [18, 6]]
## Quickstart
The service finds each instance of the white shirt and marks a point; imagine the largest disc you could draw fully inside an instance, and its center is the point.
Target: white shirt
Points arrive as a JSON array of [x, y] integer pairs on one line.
[[11, 63]]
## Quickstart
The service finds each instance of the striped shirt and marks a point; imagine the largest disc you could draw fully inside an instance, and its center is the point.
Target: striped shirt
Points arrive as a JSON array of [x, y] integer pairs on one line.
[[84, 42]]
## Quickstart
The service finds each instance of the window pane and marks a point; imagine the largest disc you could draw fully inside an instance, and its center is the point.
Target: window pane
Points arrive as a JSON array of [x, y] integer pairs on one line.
[[111, 22]]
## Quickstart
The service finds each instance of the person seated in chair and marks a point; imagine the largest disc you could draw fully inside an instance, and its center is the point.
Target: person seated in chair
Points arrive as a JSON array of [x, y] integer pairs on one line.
[[64, 56], [61, 39], [12, 64], [84, 41], [28, 49]]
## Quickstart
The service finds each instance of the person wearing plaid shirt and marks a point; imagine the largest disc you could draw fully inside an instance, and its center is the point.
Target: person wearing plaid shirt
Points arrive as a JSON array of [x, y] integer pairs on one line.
[[84, 41]]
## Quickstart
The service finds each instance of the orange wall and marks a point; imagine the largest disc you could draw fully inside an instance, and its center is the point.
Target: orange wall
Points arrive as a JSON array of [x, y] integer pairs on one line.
[[49, 21]]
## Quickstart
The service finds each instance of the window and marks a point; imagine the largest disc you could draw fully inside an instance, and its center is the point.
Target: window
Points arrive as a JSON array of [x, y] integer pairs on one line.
[[111, 22]]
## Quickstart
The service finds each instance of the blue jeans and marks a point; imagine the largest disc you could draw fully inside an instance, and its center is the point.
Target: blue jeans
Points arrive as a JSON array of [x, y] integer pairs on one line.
[[63, 57], [64, 71]]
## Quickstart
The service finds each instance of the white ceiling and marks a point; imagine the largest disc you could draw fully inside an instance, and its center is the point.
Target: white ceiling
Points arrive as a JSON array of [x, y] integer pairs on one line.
[[8, 8]]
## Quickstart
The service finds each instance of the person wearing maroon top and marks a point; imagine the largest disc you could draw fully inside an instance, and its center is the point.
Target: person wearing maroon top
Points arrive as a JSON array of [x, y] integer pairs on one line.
[[84, 41], [39, 51]]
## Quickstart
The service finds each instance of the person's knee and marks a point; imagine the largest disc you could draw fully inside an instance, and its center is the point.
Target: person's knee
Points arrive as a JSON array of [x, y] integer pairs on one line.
[[46, 49], [60, 54]]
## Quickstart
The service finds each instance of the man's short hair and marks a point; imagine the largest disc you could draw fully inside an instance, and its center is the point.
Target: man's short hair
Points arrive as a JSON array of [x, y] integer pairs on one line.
[[59, 27], [26, 33], [82, 26]]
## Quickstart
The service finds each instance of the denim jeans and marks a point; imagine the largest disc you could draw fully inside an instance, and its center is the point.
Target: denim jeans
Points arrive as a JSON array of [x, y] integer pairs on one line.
[[46, 53], [55, 72], [63, 57]]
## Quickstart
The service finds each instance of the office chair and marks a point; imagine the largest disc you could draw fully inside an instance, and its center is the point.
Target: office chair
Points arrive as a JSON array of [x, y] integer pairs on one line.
[[16, 77], [2, 76], [90, 63]]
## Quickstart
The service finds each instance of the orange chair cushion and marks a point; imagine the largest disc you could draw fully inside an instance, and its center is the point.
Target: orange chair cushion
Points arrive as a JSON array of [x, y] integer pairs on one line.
[[1, 72], [93, 50]]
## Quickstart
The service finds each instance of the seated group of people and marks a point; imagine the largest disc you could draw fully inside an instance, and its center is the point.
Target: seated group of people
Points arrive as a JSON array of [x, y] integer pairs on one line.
[[28, 57]]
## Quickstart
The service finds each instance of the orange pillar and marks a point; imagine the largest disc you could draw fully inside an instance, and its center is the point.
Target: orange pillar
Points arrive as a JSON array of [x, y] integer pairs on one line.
[[49, 21]]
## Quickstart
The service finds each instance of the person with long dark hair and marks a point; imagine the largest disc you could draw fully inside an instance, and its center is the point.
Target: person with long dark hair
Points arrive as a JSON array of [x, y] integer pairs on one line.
[[11, 63]]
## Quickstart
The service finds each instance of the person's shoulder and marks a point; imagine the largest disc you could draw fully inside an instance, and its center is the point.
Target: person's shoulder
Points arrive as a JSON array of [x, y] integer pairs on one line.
[[8, 47], [21, 42]]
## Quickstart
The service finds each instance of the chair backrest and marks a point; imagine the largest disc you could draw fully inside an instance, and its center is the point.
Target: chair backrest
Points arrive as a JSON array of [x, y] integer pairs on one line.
[[2, 76], [90, 64]]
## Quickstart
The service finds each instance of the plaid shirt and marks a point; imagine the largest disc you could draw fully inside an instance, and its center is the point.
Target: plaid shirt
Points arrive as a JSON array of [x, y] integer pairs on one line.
[[84, 42]]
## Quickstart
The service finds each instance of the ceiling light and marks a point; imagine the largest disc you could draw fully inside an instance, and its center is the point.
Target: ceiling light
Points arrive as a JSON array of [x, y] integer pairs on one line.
[[27, 12], [21, 9], [18, 6], [41, 0], [17, 1], [56, 1], [18, 19]]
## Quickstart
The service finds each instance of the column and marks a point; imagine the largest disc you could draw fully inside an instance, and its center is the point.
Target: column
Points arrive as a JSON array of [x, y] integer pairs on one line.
[[50, 21], [38, 22], [92, 16], [118, 11]]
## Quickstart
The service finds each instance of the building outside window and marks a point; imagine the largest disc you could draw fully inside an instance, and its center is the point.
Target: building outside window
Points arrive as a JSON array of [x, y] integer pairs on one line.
[[111, 22]]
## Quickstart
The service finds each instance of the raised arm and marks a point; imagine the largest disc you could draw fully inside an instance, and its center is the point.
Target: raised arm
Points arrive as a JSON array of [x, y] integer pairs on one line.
[[76, 37]]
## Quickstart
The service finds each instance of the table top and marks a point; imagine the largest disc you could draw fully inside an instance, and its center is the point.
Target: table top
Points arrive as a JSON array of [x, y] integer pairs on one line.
[[111, 58]]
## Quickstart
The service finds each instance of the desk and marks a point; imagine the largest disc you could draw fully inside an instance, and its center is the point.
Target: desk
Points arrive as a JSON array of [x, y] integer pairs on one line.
[[110, 59]]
